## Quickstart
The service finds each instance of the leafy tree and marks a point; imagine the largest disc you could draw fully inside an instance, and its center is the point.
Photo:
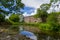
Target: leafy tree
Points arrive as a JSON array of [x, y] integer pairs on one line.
[[11, 5], [14, 5], [53, 1], [42, 11], [41, 14], [45, 7]]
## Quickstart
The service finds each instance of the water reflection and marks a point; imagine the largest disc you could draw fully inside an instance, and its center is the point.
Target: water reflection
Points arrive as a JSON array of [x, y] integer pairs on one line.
[[28, 34], [41, 36]]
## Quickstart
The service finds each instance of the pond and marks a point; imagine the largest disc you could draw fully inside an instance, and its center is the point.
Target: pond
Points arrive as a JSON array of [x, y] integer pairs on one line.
[[32, 36], [28, 34]]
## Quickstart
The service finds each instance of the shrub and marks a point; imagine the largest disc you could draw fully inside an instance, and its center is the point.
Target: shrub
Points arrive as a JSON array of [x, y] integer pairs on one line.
[[2, 18], [52, 18], [14, 18], [45, 27]]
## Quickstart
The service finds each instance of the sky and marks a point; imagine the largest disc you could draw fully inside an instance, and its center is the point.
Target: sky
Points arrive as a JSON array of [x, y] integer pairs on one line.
[[55, 7], [32, 5]]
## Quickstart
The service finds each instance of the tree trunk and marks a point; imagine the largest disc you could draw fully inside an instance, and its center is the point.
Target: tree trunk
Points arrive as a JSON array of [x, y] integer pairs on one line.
[[43, 19]]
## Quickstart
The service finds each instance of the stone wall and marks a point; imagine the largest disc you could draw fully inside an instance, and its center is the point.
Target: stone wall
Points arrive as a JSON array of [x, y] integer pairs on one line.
[[31, 19]]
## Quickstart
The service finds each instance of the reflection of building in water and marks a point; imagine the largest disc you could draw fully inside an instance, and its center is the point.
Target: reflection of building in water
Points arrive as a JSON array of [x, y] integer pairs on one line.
[[31, 19]]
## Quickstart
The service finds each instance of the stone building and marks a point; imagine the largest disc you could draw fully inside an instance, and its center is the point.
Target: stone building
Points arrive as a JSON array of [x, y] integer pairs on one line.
[[31, 19]]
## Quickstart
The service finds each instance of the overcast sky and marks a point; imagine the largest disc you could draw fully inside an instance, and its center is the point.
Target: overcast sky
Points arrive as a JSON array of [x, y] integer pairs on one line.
[[34, 3]]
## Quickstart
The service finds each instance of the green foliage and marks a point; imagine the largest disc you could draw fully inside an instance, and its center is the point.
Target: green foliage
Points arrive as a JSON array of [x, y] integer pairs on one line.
[[53, 1], [10, 5], [45, 27], [12, 23], [6, 3], [45, 7], [52, 23], [31, 24], [2, 18], [19, 4], [52, 18], [14, 18], [41, 14], [38, 13]]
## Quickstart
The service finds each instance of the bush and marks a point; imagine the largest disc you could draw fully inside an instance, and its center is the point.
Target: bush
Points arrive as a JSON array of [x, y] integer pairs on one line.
[[45, 27], [52, 18], [2, 18], [49, 27], [14, 17], [14, 23]]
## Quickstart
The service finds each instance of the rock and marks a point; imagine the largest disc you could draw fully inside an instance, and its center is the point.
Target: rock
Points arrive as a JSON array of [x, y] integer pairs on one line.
[[8, 36]]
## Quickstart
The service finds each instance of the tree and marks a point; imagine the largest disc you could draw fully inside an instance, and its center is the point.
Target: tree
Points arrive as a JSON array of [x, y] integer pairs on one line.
[[53, 1], [45, 7], [42, 12], [11, 6]]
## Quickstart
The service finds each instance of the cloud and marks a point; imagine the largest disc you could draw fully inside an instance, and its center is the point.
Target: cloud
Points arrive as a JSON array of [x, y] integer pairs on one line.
[[34, 3], [27, 14]]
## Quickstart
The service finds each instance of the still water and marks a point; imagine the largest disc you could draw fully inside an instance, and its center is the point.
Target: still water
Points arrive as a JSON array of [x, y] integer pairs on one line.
[[32, 36]]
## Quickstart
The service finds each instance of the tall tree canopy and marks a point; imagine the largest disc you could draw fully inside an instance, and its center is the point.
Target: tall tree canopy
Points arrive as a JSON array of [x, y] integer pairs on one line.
[[11, 5], [41, 14], [45, 7], [42, 11], [54, 1]]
